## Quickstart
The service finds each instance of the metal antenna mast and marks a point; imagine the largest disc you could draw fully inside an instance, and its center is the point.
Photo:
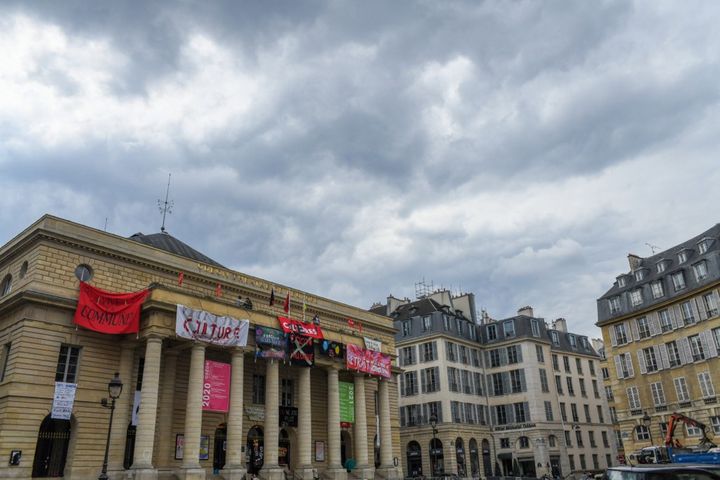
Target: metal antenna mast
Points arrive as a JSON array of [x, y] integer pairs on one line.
[[652, 247], [165, 207]]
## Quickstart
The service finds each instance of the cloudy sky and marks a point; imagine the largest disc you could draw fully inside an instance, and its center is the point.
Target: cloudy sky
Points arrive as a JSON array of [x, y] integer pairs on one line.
[[517, 150]]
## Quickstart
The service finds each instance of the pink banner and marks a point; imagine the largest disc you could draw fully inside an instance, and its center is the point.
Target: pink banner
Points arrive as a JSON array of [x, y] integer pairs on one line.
[[374, 363], [216, 387]]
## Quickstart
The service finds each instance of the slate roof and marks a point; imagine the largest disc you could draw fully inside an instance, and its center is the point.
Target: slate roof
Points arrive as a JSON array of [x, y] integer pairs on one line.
[[170, 244]]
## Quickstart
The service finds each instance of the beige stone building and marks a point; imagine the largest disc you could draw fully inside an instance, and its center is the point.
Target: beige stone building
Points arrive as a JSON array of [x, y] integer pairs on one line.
[[661, 329], [280, 417]]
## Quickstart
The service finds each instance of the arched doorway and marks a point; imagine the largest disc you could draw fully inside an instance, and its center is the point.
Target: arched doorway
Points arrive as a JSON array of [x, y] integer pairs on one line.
[[51, 448], [346, 450], [460, 457], [437, 459], [474, 458], [414, 459], [284, 448], [487, 463], [219, 447], [255, 449], [129, 446]]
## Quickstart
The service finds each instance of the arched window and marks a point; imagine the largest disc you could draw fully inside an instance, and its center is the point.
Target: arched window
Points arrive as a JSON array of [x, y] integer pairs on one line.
[[474, 458], [255, 449], [487, 463], [437, 460], [129, 446], [51, 448], [460, 457], [552, 441], [414, 459], [219, 447], [284, 448], [6, 285]]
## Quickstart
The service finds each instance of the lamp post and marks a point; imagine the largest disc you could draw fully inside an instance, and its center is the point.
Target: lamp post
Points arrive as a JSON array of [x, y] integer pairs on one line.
[[115, 387], [647, 421], [433, 452]]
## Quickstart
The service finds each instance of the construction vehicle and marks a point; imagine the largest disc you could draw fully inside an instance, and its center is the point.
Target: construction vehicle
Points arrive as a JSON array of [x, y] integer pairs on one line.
[[705, 452]]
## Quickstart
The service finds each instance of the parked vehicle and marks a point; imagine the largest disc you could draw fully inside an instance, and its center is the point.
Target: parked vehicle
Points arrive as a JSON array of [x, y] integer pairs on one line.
[[664, 472]]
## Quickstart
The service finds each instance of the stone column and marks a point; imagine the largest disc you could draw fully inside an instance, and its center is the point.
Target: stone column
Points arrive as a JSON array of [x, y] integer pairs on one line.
[[364, 470], [145, 435], [123, 407], [387, 469], [304, 433], [271, 470], [235, 457], [166, 439], [334, 469], [193, 415]]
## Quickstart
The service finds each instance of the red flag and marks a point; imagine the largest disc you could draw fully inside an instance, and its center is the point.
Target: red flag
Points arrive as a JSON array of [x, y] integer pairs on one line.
[[218, 290], [181, 277], [350, 322], [286, 305], [272, 297], [360, 326], [109, 312]]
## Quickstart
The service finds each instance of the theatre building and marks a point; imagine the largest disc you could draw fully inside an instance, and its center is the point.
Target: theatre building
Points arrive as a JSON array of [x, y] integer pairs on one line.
[[223, 374]]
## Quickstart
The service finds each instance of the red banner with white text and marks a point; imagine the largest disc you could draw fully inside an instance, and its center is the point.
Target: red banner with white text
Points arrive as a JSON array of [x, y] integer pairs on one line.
[[296, 326], [368, 361], [109, 312], [216, 387]]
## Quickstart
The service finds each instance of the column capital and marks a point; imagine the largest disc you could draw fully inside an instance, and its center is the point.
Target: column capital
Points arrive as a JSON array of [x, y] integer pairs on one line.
[[199, 346], [153, 338]]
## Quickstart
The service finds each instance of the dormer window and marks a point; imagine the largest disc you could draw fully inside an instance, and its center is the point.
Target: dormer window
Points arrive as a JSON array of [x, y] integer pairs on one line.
[[621, 282], [661, 266], [509, 328], [614, 304], [639, 274], [555, 337], [573, 341], [701, 271], [682, 256], [704, 244]]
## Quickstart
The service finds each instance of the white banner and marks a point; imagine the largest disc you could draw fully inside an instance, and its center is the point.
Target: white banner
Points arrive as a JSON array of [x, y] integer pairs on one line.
[[374, 345], [63, 400], [206, 327], [136, 408]]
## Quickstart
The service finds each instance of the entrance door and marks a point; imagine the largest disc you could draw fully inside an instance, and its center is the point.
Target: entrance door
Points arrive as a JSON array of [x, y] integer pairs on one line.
[[255, 449], [487, 463], [414, 459], [284, 448], [51, 448], [555, 467], [219, 448], [345, 447]]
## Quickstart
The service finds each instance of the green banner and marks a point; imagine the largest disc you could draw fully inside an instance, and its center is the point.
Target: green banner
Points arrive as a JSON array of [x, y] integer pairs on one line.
[[347, 402]]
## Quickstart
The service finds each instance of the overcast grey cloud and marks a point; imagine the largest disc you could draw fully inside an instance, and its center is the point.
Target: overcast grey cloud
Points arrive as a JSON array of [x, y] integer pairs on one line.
[[518, 150]]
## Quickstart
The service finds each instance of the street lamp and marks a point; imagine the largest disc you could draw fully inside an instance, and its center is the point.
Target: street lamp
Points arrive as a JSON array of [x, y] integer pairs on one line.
[[115, 387], [433, 450], [647, 420]]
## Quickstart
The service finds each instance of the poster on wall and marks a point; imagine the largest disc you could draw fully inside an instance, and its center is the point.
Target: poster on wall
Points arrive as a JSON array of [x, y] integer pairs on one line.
[[289, 325], [271, 343], [206, 327], [108, 312], [204, 447], [372, 344], [332, 349], [63, 400], [216, 387], [179, 446], [347, 402], [368, 361], [302, 350]]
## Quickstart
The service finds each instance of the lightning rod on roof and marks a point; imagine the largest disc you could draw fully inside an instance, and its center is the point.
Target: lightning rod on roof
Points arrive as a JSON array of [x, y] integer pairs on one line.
[[165, 207], [652, 247]]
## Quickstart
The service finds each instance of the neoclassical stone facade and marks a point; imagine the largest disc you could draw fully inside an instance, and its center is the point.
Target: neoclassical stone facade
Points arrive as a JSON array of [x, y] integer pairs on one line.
[[170, 435]]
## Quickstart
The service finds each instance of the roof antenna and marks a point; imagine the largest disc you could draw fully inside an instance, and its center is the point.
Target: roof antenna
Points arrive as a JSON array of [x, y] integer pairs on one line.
[[652, 247], [165, 207]]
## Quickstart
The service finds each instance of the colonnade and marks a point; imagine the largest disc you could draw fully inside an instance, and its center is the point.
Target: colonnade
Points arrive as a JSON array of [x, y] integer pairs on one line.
[[235, 467]]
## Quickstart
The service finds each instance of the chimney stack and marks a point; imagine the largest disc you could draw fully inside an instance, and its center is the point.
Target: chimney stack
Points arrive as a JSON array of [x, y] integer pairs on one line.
[[633, 261], [560, 324], [527, 311]]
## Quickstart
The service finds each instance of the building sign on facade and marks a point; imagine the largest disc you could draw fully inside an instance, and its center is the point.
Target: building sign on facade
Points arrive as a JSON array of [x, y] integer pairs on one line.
[[63, 400], [290, 325], [347, 402], [368, 361], [216, 387], [206, 327], [288, 417], [107, 312]]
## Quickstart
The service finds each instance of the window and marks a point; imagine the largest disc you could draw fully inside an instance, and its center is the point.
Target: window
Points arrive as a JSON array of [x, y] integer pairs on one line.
[[639, 274], [566, 364], [643, 327], [605, 373], [716, 337], [633, 398], [609, 392], [451, 351], [583, 465], [516, 382], [625, 366], [456, 412], [535, 328], [491, 332], [687, 313], [406, 328], [558, 384], [501, 414], [512, 353], [605, 441], [476, 358], [67, 364], [700, 270], [497, 384], [620, 333], [657, 289], [504, 443], [591, 364], [521, 414], [467, 382], [539, 353], [552, 441], [651, 364], [430, 378], [258, 394], [548, 411], [586, 410], [453, 379], [555, 337], [579, 439], [614, 303], [681, 389], [682, 257], [703, 245], [578, 365], [696, 348], [84, 272], [429, 351], [658, 394], [568, 443], [407, 355], [571, 390], [574, 412], [478, 380], [665, 322], [573, 341], [706, 386], [642, 432], [408, 384], [464, 357], [23, 269], [601, 417], [661, 266], [4, 357], [563, 412], [614, 418], [524, 442], [636, 297], [673, 354], [556, 365], [426, 322], [446, 323], [591, 438], [495, 358], [621, 282], [544, 381], [715, 422], [583, 392], [710, 303], [6, 285], [286, 392], [596, 391], [678, 281], [509, 328], [459, 326], [693, 431]]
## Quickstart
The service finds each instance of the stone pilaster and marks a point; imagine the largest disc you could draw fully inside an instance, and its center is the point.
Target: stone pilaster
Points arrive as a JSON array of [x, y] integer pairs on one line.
[[166, 440], [387, 469], [334, 469], [235, 459], [304, 436], [363, 470], [123, 407], [193, 416], [271, 470], [145, 435]]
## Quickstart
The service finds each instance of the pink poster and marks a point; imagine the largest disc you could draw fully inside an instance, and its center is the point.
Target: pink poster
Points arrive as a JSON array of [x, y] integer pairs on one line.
[[216, 387], [374, 363]]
